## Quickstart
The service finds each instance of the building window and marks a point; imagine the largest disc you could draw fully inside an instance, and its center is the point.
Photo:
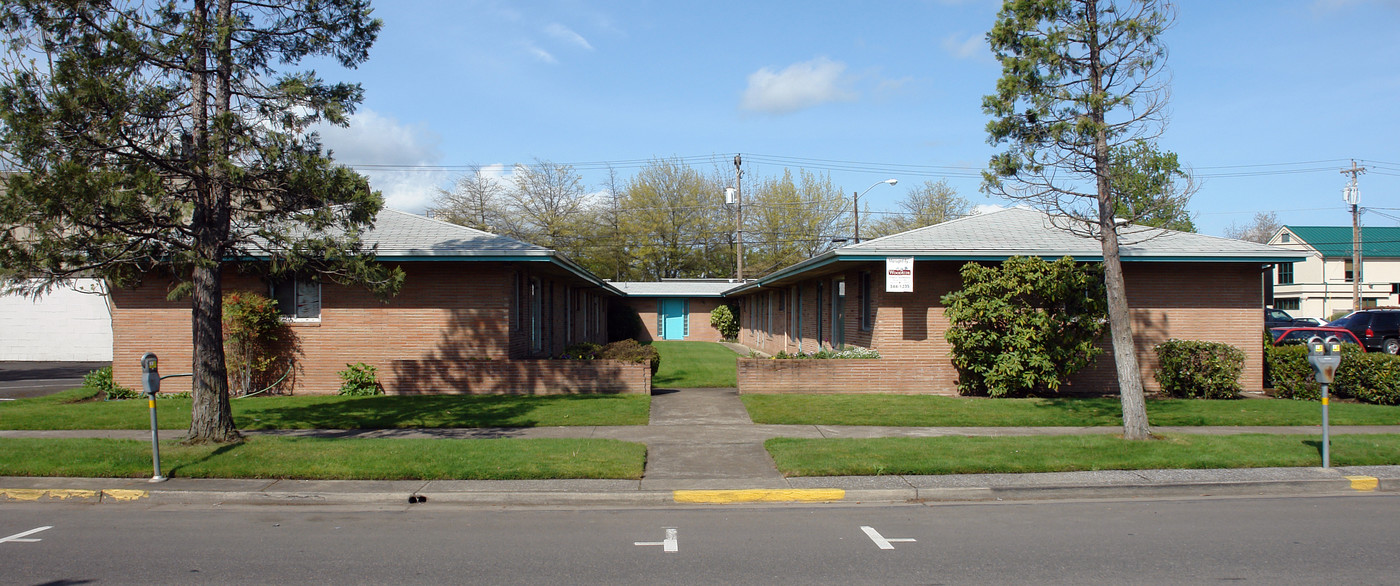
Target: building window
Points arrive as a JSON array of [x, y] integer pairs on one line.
[[1285, 273], [1285, 237], [298, 297], [1288, 303], [1395, 288], [867, 314], [1347, 270]]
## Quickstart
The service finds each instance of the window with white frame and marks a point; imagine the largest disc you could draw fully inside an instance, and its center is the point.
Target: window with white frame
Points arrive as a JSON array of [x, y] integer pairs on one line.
[[298, 297]]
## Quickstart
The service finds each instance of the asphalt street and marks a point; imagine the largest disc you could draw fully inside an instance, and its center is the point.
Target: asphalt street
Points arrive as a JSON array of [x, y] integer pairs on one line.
[[1297, 540], [23, 379]]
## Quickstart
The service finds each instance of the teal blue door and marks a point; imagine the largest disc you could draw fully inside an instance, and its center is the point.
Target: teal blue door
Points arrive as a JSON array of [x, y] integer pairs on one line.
[[673, 319]]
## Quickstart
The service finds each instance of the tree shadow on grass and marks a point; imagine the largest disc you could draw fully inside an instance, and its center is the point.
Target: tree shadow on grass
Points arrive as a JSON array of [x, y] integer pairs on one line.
[[408, 412], [221, 450]]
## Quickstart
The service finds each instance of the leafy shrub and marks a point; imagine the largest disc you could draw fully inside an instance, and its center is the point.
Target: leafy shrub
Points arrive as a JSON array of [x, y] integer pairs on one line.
[[101, 379], [359, 380], [252, 327], [1367, 377], [582, 351], [1199, 370], [1025, 324], [632, 351], [849, 352], [726, 321]]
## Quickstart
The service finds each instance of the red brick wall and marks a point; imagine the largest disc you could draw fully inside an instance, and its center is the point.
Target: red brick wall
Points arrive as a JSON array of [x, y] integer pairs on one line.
[[884, 375], [448, 312], [698, 316], [516, 377], [1217, 302]]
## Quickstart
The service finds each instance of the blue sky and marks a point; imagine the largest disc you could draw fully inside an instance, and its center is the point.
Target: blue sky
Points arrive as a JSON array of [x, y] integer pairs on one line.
[[1269, 100]]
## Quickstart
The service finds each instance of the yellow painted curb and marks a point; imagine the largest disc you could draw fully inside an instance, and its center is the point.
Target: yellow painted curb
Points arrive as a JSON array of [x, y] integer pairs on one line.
[[1364, 483], [34, 494], [119, 494], [805, 495]]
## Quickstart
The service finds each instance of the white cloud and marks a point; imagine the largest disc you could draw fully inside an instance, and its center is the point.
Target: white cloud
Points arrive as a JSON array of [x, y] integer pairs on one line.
[[801, 85], [567, 35], [969, 47], [372, 139], [539, 53]]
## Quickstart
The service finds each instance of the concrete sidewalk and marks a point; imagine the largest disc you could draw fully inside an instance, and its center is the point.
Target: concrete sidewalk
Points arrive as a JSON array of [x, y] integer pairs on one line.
[[703, 448]]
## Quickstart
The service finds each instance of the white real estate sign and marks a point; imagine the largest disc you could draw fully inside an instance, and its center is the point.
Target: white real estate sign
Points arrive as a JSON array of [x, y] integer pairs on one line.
[[899, 275]]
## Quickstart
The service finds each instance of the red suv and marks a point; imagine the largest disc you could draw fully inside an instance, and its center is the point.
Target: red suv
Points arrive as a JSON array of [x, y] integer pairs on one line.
[[1378, 329], [1300, 335]]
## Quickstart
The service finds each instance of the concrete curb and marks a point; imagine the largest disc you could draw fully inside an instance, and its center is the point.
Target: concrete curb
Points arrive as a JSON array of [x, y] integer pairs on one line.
[[1306, 482]]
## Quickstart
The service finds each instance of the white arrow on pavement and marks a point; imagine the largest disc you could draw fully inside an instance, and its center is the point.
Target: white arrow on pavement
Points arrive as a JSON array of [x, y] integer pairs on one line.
[[19, 537], [881, 541], [668, 545]]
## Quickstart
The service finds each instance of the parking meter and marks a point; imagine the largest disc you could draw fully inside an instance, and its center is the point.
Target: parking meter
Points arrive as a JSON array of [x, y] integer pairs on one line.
[[150, 383], [150, 376], [1325, 356]]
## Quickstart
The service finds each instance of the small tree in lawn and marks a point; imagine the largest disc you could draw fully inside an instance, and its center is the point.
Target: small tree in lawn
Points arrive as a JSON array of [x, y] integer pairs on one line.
[[1080, 78], [252, 328], [167, 139]]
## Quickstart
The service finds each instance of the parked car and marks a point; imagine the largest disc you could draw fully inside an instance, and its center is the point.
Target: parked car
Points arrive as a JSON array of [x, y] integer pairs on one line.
[[1378, 329], [1309, 321], [1278, 318], [1301, 335]]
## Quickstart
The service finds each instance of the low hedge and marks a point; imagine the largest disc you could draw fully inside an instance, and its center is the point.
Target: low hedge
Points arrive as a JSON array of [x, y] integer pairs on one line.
[[1199, 370], [1367, 377], [624, 350]]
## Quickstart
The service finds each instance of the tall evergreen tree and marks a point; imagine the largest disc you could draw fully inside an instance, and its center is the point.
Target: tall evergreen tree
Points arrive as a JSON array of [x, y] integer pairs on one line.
[[166, 135], [1079, 79]]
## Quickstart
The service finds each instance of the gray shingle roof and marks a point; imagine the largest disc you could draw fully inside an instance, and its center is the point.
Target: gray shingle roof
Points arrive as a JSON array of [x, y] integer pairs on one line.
[[1025, 232], [401, 234], [676, 288]]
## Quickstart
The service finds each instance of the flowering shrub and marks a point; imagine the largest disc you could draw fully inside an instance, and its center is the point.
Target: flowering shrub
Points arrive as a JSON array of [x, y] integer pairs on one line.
[[851, 352]]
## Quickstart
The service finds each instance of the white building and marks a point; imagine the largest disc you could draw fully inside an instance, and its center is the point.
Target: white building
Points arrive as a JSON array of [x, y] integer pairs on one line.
[[1322, 285], [70, 324]]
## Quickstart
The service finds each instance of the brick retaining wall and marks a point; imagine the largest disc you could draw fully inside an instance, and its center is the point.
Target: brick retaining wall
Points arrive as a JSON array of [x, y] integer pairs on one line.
[[515, 377], [881, 375]]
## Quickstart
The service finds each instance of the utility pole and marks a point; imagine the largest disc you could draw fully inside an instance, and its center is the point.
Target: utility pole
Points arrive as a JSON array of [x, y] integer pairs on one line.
[[855, 206], [739, 200], [1352, 195]]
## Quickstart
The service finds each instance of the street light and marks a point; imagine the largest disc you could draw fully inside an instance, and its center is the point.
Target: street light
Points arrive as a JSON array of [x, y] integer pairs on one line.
[[856, 202]]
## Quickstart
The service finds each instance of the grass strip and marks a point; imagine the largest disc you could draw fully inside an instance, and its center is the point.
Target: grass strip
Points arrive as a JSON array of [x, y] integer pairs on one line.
[[60, 411], [939, 411], [979, 455], [689, 365], [329, 459]]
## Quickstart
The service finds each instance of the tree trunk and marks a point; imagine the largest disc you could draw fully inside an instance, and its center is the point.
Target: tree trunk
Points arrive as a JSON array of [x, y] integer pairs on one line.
[[211, 416], [1120, 322], [1121, 330]]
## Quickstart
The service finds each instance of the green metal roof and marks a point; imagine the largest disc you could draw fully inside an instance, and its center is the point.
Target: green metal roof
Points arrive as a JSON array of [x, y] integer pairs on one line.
[[1335, 241]]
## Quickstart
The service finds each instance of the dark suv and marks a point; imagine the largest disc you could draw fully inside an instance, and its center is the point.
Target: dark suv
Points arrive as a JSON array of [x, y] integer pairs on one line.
[[1378, 329]]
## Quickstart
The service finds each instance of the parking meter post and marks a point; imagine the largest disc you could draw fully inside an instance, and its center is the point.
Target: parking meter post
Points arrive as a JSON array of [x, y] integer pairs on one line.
[[1326, 439], [1325, 356], [150, 382]]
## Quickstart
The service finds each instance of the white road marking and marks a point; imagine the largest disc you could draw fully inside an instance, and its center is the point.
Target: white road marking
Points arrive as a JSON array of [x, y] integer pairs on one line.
[[18, 537], [668, 545], [881, 541]]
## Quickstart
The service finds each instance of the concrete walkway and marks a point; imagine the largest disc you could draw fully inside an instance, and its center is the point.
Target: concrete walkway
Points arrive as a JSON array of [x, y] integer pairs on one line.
[[703, 447]]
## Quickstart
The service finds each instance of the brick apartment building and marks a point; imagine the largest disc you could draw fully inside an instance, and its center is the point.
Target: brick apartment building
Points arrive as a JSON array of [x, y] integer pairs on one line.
[[474, 310], [1179, 285]]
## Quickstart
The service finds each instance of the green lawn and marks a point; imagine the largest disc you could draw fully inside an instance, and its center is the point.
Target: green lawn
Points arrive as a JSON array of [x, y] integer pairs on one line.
[[977, 455], [310, 458], [334, 412], [937, 411], [689, 365]]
